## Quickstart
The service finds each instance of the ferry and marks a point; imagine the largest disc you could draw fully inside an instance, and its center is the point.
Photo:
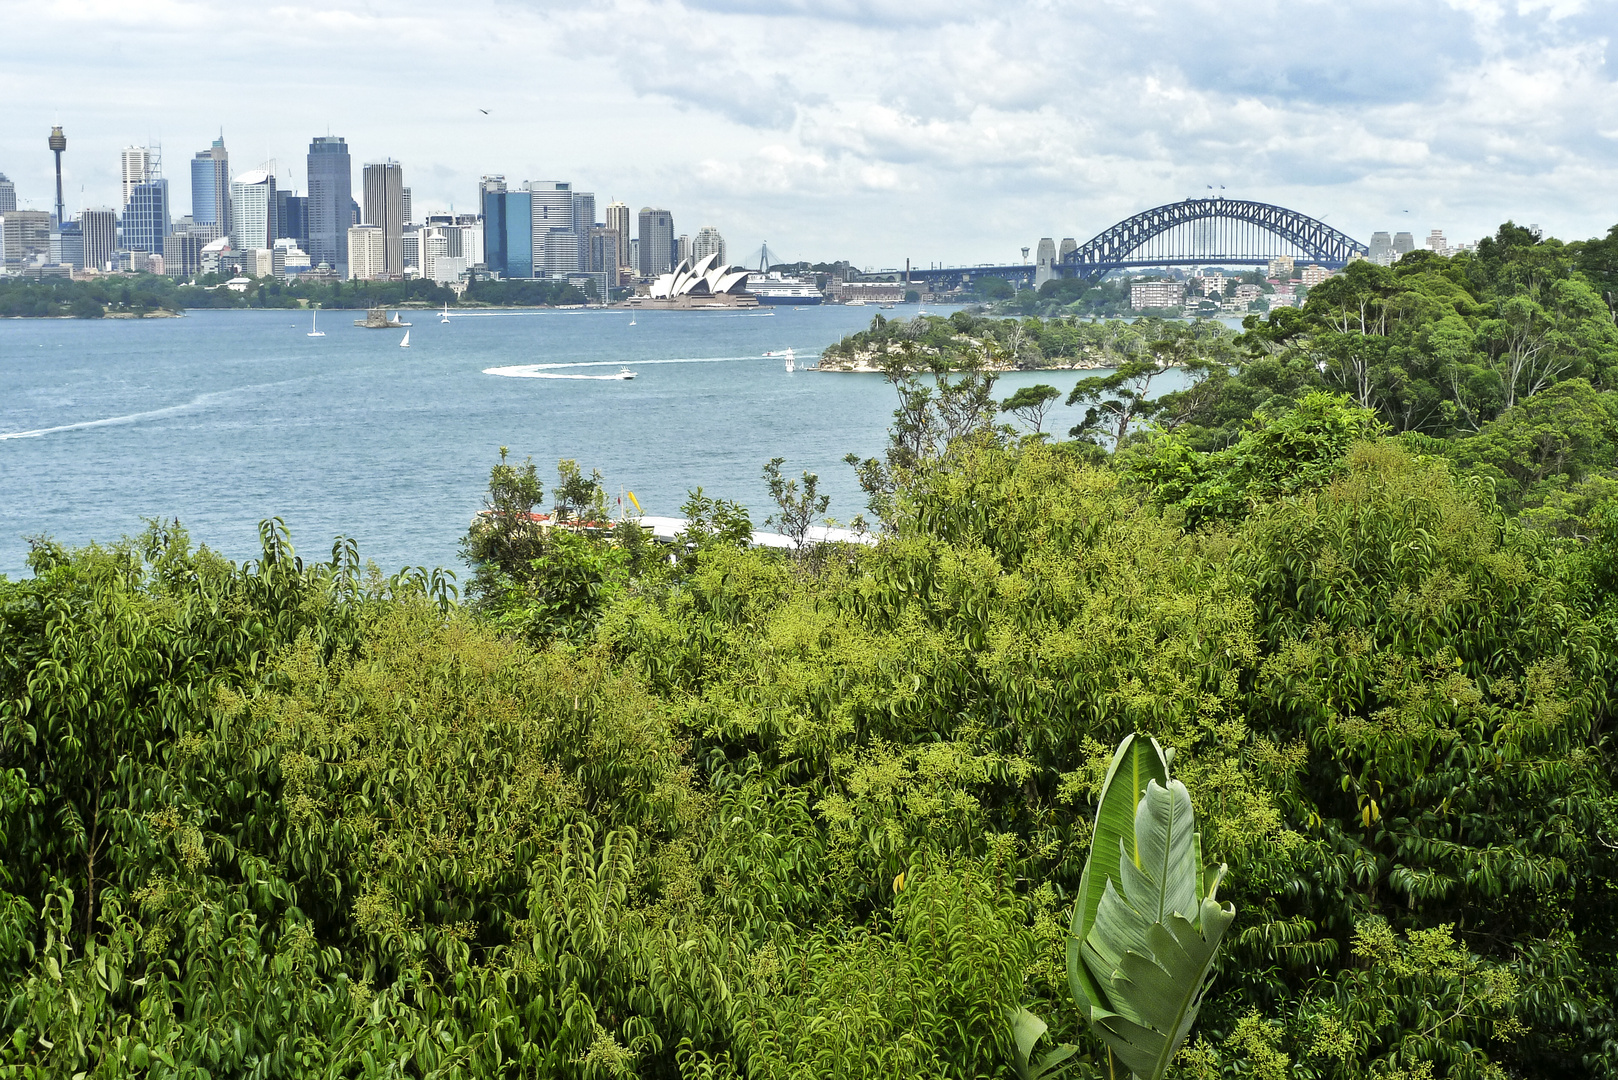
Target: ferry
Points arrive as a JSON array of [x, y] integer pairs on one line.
[[778, 288]]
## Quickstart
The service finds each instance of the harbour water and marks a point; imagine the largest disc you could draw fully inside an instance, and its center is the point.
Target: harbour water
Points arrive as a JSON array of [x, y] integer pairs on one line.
[[223, 418]]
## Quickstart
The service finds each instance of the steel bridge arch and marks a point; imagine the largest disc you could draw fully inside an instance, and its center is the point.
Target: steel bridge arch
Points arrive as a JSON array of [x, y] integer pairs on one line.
[[1116, 247]]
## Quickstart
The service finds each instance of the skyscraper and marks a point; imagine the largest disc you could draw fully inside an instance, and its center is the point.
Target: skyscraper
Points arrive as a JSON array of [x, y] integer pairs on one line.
[[331, 195], [384, 208], [556, 244], [292, 218], [135, 166], [409, 217], [709, 242], [146, 216], [99, 229], [656, 241], [584, 219], [492, 204], [367, 253], [210, 190], [617, 219], [252, 211], [8, 195]]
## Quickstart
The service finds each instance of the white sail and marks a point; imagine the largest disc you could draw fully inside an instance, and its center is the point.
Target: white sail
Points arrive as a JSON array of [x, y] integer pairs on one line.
[[405, 344]]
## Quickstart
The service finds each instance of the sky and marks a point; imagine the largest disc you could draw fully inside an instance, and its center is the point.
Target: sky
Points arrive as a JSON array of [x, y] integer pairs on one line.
[[942, 131]]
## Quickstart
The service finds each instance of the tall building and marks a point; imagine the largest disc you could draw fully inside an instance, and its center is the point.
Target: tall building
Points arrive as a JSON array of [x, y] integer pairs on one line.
[[135, 166], [709, 242], [146, 216], [384, 208], [367, 253], [292, 218], [99, 230], [182, 254], [210, 190], [1437, 243], [409, 217], [618, 220], [68, 245], [492, 204], [1403, 244], [656, 241], [331, 195], [252, 211], [25, 234], [604, 252], [8, 195], [556, 241]]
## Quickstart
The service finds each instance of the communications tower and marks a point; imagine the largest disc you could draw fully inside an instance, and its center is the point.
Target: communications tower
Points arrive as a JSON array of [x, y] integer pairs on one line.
[[58, 144]]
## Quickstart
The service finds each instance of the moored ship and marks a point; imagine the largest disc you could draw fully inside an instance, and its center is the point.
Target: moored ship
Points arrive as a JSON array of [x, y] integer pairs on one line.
[[778, 288]]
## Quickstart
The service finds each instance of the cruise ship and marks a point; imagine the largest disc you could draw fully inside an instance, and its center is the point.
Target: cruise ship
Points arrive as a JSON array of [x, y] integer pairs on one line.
[[778, 288]]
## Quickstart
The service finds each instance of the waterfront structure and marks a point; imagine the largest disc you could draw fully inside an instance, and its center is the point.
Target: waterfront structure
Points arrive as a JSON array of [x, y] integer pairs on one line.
[[146, 217], [1156, 294], [98, 229], [135, 167], [1044, 261], [384, 208], [252, 211], [617, 219], [708, 242], [25, 234], [656, 241], [8, 195], [210, 191], [706, 283], [367, 253], [58, 143], [867, 292], [330, 202], [182, 254]]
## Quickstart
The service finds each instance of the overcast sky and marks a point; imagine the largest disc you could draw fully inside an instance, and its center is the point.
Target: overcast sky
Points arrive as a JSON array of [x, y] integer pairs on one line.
[[939, 130]]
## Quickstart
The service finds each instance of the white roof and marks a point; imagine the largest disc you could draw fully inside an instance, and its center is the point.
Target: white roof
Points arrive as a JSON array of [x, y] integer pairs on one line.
[[667, 529]]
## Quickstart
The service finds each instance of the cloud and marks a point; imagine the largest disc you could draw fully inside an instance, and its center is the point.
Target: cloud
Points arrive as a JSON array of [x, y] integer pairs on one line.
[[871, 129]]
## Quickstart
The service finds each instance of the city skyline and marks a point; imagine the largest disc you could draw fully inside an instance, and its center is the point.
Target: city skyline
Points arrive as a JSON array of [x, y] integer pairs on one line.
[[952, 134]]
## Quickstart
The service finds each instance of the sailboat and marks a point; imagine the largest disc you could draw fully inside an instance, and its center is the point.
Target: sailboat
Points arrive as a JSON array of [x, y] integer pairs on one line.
[[443, 318], [315, 331], [405, 344]]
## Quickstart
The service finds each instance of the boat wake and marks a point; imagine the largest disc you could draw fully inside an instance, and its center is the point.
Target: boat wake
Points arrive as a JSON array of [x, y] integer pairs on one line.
[[199, 402], [550, 371]]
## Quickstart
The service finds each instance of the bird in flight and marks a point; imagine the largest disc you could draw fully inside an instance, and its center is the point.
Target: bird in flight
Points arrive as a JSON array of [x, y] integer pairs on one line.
[[485, 112]]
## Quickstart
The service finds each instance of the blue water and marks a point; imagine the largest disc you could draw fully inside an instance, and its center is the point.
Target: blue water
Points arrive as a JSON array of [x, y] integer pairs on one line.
[[223, 418]]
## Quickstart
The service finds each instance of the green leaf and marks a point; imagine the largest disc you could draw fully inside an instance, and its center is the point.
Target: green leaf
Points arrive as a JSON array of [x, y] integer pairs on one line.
[[1153, 939], [1026, 1030], [1135, 763]]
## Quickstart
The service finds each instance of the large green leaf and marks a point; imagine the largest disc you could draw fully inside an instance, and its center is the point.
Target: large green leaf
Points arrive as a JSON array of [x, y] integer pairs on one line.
[[1027, 1029], [1135, 763], [1154, 938]]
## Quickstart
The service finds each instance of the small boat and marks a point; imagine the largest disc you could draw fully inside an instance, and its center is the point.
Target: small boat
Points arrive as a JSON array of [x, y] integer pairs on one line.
[[443, 317], [631, 320], [396, 321], [405, 344], [624, 374], [315, 331]]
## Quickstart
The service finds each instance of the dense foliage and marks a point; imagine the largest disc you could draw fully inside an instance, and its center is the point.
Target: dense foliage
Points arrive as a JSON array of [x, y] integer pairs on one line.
[[141, 294], [715, 811]]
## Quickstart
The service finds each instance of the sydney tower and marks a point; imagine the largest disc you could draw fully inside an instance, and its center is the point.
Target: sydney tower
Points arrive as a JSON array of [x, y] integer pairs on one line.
[[58, 144]]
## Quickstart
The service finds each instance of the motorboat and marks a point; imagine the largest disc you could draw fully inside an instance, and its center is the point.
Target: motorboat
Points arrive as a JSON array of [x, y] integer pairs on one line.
[[315, 331], [624, 374]]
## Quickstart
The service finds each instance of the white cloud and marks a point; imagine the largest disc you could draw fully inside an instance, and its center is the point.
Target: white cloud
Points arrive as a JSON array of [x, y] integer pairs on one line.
[[873, 130]]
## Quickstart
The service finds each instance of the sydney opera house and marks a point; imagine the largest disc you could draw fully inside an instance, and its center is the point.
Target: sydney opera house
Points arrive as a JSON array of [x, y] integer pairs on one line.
[[705, 284]]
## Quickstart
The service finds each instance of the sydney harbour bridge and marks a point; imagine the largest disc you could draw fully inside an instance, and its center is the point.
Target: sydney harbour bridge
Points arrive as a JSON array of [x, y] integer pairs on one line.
[[1194, 232]]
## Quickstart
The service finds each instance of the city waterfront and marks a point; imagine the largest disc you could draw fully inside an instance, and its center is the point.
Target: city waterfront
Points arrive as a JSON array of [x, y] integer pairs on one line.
[[224, 418]]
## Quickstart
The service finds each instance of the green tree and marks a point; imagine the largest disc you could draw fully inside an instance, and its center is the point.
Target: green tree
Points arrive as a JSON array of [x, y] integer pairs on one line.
[[1030, 403]]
